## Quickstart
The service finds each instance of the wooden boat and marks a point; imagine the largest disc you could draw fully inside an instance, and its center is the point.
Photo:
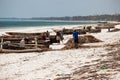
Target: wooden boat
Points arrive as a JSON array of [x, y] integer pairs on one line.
[[33, 42]]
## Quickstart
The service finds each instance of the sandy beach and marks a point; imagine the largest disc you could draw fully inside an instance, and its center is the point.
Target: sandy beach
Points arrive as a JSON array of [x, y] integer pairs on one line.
[[90, 63]]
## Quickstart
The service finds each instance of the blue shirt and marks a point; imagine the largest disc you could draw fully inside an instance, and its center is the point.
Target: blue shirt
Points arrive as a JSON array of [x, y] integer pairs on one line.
[[75, 35]]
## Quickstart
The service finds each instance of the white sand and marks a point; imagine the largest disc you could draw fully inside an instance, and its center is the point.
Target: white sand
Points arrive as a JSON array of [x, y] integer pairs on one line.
[[46, 65]]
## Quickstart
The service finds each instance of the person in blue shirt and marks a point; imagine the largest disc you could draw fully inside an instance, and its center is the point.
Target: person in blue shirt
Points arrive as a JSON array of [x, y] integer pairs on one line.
[[75, 37]]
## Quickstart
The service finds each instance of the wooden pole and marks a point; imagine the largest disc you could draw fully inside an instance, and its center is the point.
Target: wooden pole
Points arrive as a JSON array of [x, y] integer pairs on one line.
[[36, 42], [109, 29], [2, 42]]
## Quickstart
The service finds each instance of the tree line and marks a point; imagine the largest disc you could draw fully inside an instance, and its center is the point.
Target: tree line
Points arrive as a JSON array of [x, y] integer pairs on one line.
[[105, 17]]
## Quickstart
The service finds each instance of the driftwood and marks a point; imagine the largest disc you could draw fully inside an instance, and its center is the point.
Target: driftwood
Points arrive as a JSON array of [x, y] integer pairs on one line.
[[21, 33], [106, 25], [115, 30], [20, 51]]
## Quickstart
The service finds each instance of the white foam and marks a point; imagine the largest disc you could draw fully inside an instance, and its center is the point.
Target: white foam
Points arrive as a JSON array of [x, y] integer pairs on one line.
[[36, 29]]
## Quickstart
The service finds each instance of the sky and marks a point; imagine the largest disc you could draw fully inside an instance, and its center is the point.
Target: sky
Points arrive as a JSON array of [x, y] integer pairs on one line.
[[57, 8]]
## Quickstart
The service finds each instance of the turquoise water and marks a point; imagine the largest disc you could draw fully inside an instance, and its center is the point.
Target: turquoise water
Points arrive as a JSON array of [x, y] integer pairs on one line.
[[10, 23]]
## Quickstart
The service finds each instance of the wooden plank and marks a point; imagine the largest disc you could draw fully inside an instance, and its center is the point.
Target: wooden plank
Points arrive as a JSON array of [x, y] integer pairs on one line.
[[20, 51]]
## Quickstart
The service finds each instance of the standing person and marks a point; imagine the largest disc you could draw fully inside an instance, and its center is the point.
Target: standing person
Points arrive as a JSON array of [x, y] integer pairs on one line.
[[47, 34], [58, 37], [44, 36], [75, 37], [61, 36], [22, 43]]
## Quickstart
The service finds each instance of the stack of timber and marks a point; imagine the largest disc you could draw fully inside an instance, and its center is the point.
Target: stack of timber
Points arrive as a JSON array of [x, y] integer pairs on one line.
[[11, 43]]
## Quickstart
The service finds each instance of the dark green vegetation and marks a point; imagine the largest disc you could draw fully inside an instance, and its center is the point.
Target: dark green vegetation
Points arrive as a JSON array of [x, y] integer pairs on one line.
[[106, 17]]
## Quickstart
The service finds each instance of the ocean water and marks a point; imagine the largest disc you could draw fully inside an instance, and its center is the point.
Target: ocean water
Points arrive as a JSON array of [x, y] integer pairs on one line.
[[7, 25], [28, 23]]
